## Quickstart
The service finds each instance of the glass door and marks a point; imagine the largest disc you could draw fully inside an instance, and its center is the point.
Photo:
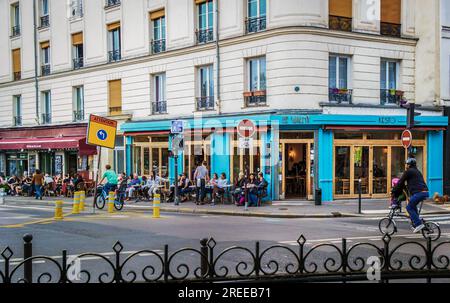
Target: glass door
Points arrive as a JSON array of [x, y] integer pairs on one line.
[[380, 170], [361, 169]]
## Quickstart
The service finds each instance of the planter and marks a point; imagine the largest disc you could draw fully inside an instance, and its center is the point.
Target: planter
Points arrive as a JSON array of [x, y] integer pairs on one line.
[[248, 94], [259, 93]]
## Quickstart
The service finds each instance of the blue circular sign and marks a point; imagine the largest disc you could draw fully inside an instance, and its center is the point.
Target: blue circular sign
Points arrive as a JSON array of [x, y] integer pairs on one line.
[[102, 135]]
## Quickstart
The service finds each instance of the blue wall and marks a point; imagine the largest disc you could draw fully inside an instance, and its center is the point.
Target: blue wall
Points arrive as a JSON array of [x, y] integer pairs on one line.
[[220, 159], [129, 155], [326, 164], [435, 161]]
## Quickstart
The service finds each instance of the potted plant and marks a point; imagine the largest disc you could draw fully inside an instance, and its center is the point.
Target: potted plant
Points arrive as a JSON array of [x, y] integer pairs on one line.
[[259, 93]]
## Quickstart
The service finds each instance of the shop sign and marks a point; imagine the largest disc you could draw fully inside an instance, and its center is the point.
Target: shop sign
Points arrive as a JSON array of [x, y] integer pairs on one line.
[[246, 128], [33, 146], [176, 127], [101, 132], [245, 143]]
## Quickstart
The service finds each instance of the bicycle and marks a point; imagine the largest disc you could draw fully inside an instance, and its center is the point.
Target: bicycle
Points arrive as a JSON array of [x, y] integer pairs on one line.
[[102, 197], [388, 226]]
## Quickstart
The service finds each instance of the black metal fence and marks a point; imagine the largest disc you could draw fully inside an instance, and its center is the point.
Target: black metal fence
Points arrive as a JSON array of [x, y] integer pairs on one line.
[[302, 261]]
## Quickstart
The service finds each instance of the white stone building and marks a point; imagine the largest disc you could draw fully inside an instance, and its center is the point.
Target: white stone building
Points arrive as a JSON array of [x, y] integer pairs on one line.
[[332, 71]]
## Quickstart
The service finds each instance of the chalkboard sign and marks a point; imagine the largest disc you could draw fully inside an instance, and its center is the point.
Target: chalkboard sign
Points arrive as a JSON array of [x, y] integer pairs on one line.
[[58, 165]]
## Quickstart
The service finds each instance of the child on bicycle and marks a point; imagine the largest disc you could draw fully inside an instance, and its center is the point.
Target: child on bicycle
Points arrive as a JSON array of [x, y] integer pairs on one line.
[[396, 202]]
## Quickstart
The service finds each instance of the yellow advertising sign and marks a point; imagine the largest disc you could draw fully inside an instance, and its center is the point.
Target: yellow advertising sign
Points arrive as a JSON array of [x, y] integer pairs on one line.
[[101, 132]]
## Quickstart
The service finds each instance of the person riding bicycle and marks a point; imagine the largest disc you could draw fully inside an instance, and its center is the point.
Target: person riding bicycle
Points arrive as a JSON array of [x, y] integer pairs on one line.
[[111, 179], [418, 190]]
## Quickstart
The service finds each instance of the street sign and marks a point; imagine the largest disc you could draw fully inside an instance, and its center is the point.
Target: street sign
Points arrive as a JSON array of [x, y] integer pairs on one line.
[[245, 143], [246, 128], [407, 138], [176, 127], [101, 132]]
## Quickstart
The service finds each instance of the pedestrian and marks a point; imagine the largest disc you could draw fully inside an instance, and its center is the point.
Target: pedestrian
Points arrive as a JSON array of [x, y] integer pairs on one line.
[[38, 182], [201, 176]]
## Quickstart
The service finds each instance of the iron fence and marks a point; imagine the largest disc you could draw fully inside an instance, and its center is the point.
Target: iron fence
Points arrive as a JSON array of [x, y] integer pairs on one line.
[[111, 3], [158, 46], [205, 103], [45, 21], [390, 29], [204, 35], [255, 24], [323, 262], [78, 62], [45, 70], [340, 23], [114, 55], [340, 95], [15, 31]]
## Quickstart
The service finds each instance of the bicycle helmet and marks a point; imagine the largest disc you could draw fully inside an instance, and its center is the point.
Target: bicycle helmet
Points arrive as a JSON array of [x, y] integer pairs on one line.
[[411, 162]]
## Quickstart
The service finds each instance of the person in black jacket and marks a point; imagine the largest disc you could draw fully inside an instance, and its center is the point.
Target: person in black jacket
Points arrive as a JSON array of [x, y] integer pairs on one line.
[[418, 190]]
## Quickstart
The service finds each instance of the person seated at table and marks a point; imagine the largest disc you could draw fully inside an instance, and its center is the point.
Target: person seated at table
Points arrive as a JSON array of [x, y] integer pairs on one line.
[[13, 182], [172, 188], [26, 186], [185, 188], [153, 183], [252, 189], [239, 191], [219, 187], [78, 182], [134, 184], [212, 182], [66, 185]]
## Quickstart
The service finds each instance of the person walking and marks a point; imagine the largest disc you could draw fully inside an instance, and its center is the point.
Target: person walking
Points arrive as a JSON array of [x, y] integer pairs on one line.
[[201, 176], [38, 182]]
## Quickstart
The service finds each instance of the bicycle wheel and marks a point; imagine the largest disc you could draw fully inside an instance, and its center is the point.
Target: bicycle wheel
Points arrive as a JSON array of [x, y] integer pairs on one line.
[[387, 226], [432, 231], [100, 202]]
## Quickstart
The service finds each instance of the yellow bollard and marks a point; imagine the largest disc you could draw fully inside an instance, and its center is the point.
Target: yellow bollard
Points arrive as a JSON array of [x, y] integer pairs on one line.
[[58, 210], [111, 202], [82, 199], [156, 205], [76, 203]]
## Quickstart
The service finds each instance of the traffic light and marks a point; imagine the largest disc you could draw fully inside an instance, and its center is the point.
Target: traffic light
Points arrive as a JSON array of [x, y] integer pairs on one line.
[[410, 122]]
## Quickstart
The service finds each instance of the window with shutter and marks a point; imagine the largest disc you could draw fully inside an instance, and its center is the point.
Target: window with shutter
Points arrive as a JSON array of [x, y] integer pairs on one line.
[[115, 97]]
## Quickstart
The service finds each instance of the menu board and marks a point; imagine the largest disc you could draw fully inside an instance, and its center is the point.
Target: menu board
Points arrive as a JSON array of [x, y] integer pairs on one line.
[[58, 165]]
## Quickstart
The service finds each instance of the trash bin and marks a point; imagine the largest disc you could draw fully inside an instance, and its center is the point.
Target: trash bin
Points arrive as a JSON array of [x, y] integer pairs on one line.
[[318, 196]]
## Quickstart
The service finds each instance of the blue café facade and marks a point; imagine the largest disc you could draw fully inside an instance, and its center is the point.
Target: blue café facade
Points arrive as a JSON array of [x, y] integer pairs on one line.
[[297, 153]]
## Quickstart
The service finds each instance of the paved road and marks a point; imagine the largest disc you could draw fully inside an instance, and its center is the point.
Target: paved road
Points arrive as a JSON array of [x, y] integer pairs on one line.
[[138, 231]]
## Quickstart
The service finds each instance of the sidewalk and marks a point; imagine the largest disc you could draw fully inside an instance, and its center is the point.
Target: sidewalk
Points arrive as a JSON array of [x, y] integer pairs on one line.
[[278, 209]]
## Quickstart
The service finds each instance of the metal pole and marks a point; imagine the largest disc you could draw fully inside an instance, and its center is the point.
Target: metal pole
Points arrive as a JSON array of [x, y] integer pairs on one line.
[[36, 82], [96, 178], [204, 257], [359, 196], [175, 192], [217, 58], [27, 254]]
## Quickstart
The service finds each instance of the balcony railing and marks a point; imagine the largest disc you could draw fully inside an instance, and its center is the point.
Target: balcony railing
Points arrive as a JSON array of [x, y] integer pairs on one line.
[[204, 35], [17, 121], [391, 96], [390, 29], [205, 103], [17, 76], [255, 98], [255, 24], [76, 11], [340, 23], [15, 31], [45, 21], [114, 55], [45, 70], [78, 63], [158, 46], [78, 115], [159, 107], [46, 118], [111, 3], [115, 110], [340, 95]]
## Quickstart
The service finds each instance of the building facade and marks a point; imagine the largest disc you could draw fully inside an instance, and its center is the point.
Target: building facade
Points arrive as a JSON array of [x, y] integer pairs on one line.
[[320, 81]]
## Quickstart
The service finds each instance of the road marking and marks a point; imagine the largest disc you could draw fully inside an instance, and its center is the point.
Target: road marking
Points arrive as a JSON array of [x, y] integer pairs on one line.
[[42, 208]]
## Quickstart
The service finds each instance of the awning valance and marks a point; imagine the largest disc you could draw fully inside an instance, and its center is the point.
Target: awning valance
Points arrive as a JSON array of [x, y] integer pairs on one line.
[[49, 143]]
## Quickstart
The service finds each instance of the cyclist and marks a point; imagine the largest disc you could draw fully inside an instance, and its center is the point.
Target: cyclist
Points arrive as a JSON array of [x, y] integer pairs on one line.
[[111, 179], [418, 190]]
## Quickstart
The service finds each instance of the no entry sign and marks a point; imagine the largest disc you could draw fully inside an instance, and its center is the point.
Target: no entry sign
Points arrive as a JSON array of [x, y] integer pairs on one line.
[[407, 138], [246, 128]]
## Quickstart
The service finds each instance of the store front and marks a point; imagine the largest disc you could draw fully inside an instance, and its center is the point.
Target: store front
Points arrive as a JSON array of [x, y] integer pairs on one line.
[[54, 151], [296, 153]]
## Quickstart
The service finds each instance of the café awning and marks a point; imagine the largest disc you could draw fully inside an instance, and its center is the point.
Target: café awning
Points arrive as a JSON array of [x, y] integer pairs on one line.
[[48, 143]]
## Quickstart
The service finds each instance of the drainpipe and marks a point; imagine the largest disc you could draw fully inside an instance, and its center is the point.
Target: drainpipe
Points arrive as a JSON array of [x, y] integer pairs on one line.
[[219, 109], [36, 83]]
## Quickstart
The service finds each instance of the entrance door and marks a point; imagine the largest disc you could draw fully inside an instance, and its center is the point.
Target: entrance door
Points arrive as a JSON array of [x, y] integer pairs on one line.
[[380, 170], [152, 157], [246, 160], [297, 158], [72, 165], [361, 169]]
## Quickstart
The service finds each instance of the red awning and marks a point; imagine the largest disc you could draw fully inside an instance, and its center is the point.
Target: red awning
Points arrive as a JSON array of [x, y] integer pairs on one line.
[[49, 143]]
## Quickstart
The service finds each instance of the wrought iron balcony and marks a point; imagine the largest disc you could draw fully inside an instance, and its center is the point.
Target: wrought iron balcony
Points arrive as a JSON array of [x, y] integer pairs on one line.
[[45, 70], [15, 31], [255, 98], [391, 96], [17, 76], [255, 24], [205, 35], [111, 3], [45, 21], [17, 121], [390, 29], [205, 103], [159, 107], [46, 118], [158, 46], [340, 95], [340, 23], [78, 115], [114, 55], [76, 11], [78, 63]]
